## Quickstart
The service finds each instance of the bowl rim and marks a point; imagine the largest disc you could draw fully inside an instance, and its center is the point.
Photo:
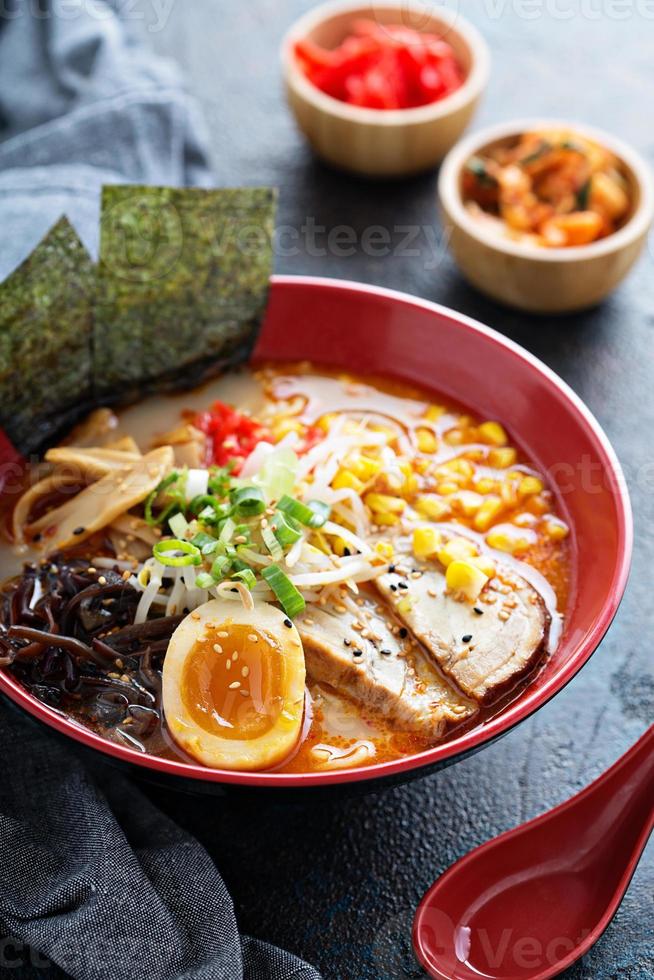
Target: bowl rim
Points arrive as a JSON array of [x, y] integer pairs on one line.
[[451, 200], [470, 91], [531, 699]]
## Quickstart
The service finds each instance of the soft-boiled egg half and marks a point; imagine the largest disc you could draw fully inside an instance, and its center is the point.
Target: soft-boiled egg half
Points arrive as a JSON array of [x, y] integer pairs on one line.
[[233, 685]]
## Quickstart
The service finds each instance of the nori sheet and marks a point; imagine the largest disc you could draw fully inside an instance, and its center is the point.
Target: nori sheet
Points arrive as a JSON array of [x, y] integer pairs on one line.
[[45, 339], [182, 284], [178, 295]]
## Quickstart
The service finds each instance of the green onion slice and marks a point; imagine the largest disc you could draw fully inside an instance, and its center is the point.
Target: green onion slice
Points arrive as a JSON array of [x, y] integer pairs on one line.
[[247, 576], [202, 539], [227, 531], [220, 480], [205, 581], [272, 544], [220, 567], [190, 555], [287, 531], [206, 501], [149, 503], [291, 601], [314, 514], [248, 501], [178, 525]]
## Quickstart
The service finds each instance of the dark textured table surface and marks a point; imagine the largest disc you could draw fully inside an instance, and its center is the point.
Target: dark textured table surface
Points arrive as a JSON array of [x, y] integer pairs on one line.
[[338, 883]]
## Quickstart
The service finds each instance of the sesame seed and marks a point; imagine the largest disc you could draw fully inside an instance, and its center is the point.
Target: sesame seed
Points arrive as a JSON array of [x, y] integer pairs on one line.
[[433, 593], [308, 621], [503, 615], [223, 633], [386, 653], [402, 585], [476, 609], [102, 580], [228, 664], [217, 647], [235, 656], [79, 530], [245, 671], [194, 615], [240, 539], [253, 638], [244, 694], [234, 685], [466, 638], [288, 624], [393, 588], [404, 632], [348, 643]]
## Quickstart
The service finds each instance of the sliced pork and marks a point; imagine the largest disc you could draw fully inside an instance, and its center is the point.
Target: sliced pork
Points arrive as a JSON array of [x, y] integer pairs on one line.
[[357, 648], [485, 646]]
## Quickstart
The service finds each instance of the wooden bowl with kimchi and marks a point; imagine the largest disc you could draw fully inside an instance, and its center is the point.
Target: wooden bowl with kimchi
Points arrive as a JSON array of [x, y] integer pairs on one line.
[[545, 216], [383, 89]]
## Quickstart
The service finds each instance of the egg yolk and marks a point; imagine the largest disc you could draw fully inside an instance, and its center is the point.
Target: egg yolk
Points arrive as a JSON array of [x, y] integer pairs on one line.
[[233, 684]]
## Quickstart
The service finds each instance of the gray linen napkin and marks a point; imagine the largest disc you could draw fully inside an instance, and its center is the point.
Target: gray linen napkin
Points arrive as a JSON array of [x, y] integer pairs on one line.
[[92, 876]]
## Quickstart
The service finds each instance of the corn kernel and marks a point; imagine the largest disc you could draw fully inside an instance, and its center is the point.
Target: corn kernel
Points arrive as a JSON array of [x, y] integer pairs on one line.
[[383, 503], [556, 529], [385, 550], [339, 546], [493, 433], [434, 412], [486, 485], [363, 467], [509, 538], [468, 501], [421, 465], [502, 457], [426, 542], [530, 485], [461, 467], [538, 504], [344, 479], [487, 513], [427, 442], [466, 578], [455, 549], [447, 488], [431, 506], [454, 437], [486, 564], [386, 520], [282, 427]]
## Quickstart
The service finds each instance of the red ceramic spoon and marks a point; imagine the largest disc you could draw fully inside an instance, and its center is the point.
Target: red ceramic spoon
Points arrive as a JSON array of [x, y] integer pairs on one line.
[[528, 904]]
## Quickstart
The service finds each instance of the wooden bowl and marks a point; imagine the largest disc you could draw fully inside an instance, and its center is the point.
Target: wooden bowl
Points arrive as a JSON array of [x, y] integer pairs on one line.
[[378, 142], [528, 277]]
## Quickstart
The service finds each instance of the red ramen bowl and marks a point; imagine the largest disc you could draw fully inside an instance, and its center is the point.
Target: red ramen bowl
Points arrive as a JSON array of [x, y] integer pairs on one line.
[[370, 330]]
